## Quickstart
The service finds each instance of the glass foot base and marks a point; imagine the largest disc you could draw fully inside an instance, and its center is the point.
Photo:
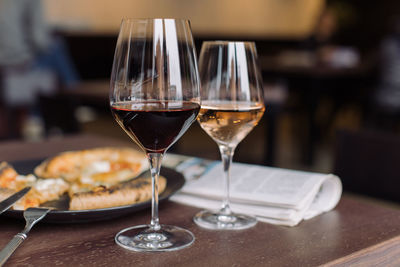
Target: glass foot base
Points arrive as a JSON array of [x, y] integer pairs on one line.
[[143, 238], [219, 221]]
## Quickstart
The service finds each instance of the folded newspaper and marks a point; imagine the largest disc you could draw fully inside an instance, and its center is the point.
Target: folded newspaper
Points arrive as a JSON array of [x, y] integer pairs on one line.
[[273, 195]]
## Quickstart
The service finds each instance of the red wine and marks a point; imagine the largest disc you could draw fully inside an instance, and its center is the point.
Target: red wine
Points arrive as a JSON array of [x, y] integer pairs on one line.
[[155, 125]]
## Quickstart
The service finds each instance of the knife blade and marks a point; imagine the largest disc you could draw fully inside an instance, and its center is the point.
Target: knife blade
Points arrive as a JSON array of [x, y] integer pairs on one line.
[[8, 202]]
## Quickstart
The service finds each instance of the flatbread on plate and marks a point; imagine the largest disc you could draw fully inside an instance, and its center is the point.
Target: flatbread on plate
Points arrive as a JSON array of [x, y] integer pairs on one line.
[[93, 178]]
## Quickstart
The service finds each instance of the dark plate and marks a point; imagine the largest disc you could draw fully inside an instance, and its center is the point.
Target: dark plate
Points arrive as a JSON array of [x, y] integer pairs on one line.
[[175, 181]]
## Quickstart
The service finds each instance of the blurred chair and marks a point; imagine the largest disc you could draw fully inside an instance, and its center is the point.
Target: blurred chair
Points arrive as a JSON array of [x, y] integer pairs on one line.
[[58, 114], [368, 163]]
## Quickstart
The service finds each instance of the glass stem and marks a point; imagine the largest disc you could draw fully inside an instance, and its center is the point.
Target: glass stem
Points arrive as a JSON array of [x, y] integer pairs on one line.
[[226, 155], [155, 165]]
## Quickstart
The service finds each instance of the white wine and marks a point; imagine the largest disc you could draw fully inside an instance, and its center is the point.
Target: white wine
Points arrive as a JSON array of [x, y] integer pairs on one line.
[[229, 122]]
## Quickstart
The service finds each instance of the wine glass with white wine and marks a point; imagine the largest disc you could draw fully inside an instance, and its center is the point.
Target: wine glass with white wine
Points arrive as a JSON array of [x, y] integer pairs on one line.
[[232, 104]]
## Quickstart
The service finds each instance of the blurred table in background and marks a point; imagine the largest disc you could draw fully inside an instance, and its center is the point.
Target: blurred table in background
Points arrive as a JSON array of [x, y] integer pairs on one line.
[[356, 232], [311, 80], [94, 93]]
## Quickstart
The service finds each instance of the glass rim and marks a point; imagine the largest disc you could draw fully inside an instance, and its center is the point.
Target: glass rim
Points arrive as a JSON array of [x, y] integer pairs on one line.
[[129, 19], [226, 42]]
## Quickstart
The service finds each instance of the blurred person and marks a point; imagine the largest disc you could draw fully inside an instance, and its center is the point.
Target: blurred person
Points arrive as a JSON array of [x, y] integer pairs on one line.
[[323, 42], [23, 31], [25, 40], [32, 61], [324, 30]]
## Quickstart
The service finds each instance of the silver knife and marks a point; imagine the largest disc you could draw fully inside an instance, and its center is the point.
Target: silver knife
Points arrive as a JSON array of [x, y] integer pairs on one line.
[[7, 203]]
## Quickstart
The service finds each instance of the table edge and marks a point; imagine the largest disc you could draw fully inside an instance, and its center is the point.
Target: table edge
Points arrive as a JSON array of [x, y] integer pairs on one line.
[[386, 253]]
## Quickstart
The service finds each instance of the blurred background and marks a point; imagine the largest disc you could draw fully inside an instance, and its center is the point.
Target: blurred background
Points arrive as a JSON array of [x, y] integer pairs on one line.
[[331, 71]]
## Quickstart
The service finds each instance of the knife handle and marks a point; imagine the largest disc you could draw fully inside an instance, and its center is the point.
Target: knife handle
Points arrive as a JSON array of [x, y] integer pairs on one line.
[[11, 247]]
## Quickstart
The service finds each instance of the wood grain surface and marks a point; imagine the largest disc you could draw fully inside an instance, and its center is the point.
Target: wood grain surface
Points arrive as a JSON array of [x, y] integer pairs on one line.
[[356, 233]]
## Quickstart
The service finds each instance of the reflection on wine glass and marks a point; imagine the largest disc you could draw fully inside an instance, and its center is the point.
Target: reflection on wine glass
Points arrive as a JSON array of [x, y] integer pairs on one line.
[[232, 104], [155, 97]]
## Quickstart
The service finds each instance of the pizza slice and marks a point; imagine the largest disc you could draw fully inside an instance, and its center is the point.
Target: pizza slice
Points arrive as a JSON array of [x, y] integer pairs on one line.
[[126, 193], [41, 191], [9, 178], [99, 166], [94, 178]]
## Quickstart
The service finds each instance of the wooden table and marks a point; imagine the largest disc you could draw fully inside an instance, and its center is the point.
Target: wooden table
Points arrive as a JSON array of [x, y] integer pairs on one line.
[[356, 232]]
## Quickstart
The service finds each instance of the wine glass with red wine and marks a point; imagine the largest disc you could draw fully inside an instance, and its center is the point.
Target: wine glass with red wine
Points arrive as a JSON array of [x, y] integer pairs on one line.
[[154, 97], [232, 104]]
